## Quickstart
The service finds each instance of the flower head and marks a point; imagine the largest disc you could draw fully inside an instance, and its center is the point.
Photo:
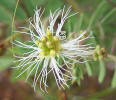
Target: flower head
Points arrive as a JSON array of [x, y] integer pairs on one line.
[[48, 46]]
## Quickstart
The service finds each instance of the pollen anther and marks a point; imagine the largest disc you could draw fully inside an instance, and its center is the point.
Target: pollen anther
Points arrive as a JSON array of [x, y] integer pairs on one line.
[[49, 45]]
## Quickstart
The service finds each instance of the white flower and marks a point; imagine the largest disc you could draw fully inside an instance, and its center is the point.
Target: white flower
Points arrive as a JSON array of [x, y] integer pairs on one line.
[[48, 46]]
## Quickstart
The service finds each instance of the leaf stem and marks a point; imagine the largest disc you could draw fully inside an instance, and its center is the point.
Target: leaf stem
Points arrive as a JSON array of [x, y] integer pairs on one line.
[[13, 20], [75, 5]]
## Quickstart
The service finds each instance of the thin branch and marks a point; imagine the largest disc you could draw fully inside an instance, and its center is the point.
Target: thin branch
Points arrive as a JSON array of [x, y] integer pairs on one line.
[[99, 94], [111, 3]]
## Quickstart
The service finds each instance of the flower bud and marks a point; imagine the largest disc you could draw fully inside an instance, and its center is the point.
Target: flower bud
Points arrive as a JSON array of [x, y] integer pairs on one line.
[[37, 42], [49, 33], [52, 52], [41, 45], [44, 39], [49, 44]]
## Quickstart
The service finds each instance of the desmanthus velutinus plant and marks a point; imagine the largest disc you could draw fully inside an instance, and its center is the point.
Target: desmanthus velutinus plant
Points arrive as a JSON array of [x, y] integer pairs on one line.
[[48, 46]]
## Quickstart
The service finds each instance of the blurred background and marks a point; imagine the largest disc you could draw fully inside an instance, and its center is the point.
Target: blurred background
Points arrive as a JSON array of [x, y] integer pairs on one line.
[[95, 80]]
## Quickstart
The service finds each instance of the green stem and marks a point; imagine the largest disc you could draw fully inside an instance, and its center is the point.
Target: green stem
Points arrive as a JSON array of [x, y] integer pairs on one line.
[[100, 94], [111, 57], [14, 16], [13, 21], [11, 38]]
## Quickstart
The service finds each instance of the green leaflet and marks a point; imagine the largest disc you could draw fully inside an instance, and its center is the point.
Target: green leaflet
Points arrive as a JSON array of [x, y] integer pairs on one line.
[[80, 23], [95, 15], [78, 73], [5, 16], [113, 82], [52, 5], [102, 71], [9, 6], [88, 67], [108, 15], [5, 62]]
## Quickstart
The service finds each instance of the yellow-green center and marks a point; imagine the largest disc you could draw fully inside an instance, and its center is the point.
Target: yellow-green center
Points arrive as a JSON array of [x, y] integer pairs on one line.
[[49, 45]]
